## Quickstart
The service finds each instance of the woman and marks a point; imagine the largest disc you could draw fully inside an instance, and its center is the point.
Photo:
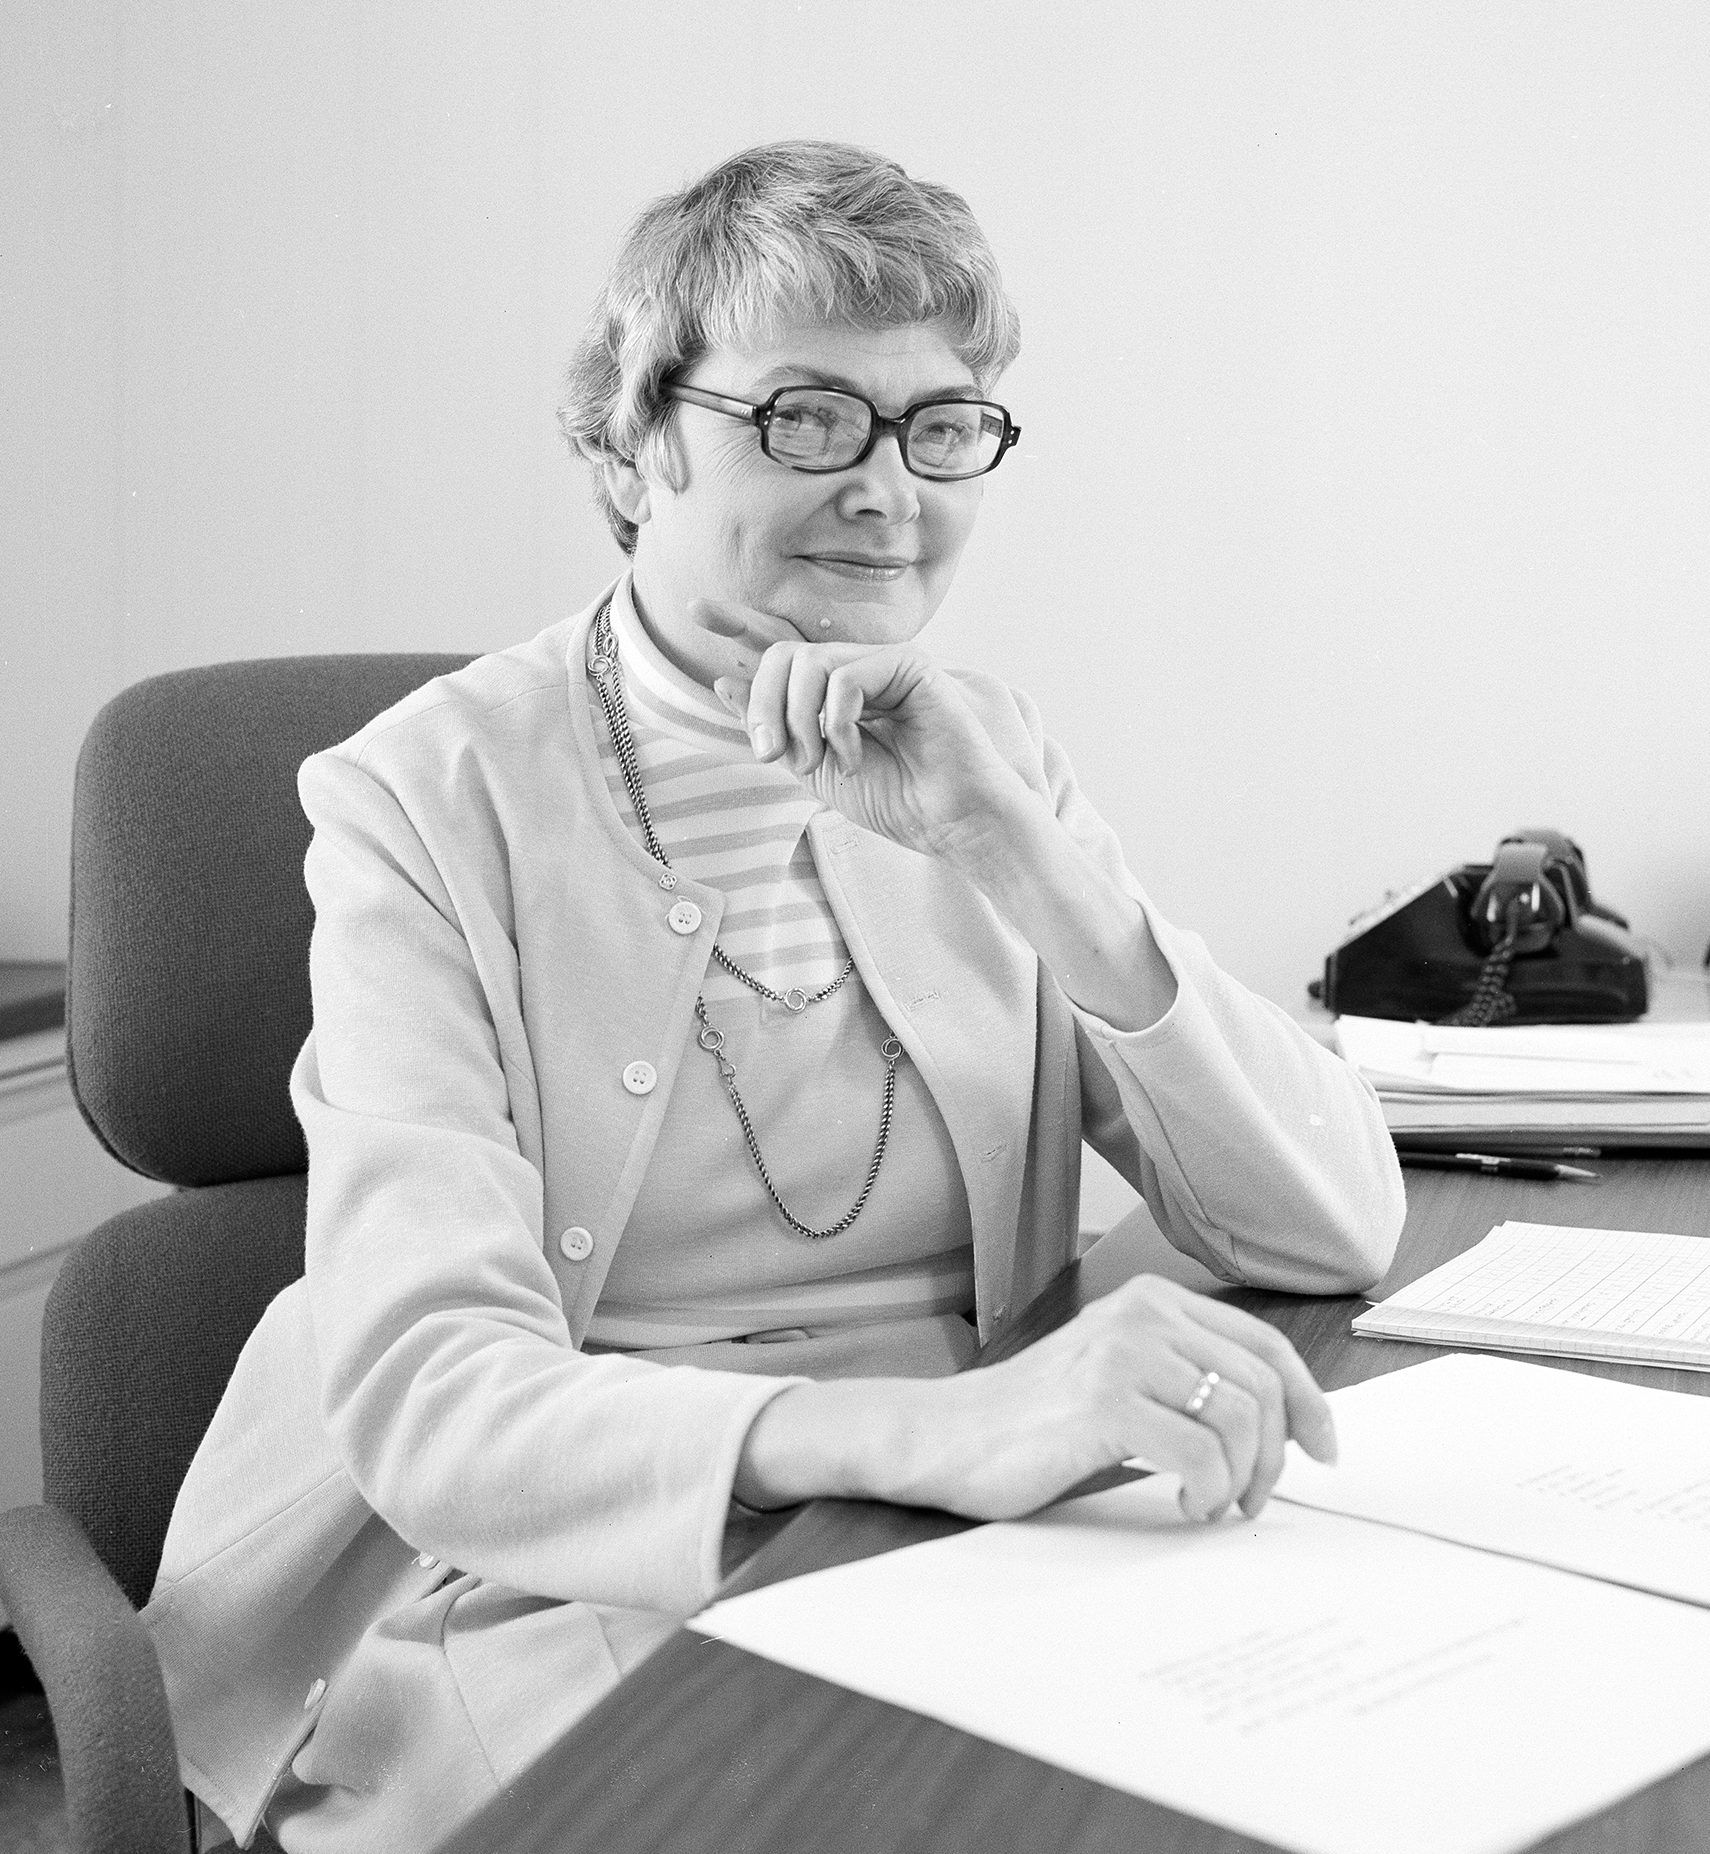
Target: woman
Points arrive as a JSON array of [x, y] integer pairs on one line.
[[711, 998]]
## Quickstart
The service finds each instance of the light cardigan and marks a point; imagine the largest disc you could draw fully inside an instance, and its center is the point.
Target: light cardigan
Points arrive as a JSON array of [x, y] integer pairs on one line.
[[491, 960]]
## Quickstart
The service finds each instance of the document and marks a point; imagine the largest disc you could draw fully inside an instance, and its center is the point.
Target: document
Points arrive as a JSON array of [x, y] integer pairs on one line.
[[1323, 1683], [1612, 1085], [1612, 1480], [1590, 1061], [1637, 1295]]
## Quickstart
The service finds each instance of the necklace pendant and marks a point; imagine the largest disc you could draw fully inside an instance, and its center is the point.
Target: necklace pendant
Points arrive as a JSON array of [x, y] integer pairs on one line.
[[796, 999]]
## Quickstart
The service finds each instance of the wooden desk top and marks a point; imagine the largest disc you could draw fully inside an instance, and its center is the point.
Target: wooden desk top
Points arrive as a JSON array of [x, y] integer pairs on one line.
[[707, 1748]]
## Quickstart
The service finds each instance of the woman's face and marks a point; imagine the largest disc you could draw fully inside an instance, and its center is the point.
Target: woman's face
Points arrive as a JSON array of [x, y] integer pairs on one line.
[[863, 555]]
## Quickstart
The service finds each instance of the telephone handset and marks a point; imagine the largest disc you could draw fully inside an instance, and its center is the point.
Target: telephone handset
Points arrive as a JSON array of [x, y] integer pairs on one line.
[[1517, 940], [1538, 876]]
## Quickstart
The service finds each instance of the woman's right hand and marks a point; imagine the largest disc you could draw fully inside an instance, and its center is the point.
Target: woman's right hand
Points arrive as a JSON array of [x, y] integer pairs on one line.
[[1109, 1386]]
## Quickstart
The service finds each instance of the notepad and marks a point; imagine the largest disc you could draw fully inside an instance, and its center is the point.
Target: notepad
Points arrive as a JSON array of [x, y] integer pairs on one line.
[[1639, 1296]]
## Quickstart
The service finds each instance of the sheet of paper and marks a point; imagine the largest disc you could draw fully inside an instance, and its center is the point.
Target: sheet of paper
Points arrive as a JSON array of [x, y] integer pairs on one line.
[[1546, 1059], [1325, 1684], [1608, 1479]]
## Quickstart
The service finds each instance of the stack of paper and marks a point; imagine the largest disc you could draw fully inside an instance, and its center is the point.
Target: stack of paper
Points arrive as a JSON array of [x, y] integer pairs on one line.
[[1640, 1084], [1633, 1295], [1320, 1681]]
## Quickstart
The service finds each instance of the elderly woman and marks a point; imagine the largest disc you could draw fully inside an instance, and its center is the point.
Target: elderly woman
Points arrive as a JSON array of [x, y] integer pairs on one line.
[[711, 999]]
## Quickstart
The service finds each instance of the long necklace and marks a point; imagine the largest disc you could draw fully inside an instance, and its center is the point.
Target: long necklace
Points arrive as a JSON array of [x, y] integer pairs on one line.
[[711, 1039]]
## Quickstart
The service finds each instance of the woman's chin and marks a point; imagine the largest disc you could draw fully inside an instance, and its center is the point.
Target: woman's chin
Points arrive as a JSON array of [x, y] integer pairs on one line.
[[828, 608]]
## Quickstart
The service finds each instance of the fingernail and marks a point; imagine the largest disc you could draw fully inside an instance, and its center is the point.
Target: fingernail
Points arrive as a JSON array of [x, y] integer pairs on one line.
[[725, 690], [765, 742]]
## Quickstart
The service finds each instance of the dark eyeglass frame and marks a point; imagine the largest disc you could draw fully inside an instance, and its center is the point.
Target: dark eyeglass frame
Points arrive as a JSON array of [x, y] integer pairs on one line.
[[761, 415]]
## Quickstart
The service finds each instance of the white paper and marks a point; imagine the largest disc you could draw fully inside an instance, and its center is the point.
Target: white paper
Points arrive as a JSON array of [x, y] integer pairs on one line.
[[1542, 1287], [1608, 1479], [1325, 1684], [1584, 1061]]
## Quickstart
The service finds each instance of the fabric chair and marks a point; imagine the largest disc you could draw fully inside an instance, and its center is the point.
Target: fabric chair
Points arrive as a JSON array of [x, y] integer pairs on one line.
[[187, 999]]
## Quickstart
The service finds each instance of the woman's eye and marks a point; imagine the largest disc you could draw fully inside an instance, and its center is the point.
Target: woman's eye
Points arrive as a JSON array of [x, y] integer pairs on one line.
[[804, 418], [942, 437]]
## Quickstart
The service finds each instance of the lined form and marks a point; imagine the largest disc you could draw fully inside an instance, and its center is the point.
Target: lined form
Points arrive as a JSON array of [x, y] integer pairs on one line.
[[1536, 1287]]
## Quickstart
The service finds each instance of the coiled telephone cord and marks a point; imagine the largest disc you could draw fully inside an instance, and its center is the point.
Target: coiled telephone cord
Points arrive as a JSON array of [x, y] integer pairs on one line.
[[1492, 1002]]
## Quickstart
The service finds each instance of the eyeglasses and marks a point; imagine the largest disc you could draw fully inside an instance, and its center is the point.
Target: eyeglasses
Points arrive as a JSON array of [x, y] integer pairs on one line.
[[819, 429]]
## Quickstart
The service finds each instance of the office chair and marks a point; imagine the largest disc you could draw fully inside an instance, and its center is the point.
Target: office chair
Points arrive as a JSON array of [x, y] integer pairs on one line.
[[187, 999]]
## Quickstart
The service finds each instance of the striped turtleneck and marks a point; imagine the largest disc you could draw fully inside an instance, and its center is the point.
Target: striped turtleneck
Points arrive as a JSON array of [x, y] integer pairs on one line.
[[723, 819], [705, 1257]]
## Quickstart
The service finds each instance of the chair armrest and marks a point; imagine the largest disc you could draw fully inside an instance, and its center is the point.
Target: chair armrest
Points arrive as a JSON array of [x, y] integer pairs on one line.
[[98, 1669]]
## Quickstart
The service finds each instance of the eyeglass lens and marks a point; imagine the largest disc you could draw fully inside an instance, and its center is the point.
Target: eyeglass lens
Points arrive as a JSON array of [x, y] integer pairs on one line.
[[817, 429]]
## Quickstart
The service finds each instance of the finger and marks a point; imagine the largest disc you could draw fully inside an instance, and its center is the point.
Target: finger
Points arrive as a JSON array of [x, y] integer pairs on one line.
[[1309, 1419], [1176, 1444], [1258, 1387], [768, 728], [803, 699], [753, 632], [844, 701], [1231, 1412]]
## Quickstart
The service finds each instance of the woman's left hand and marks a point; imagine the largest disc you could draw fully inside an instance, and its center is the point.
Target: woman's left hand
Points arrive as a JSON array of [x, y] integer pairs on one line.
[[878, 732]]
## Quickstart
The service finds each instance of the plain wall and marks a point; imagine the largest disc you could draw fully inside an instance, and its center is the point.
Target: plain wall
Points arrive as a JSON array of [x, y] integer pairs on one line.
[[1361, 511]]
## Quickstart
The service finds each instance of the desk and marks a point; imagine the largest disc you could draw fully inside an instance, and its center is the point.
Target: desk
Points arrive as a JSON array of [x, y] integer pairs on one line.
[[705, 1748], [56, 1184]]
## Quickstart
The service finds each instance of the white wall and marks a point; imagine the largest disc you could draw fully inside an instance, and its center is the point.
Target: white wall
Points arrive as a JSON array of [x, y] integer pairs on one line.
[[1362, 508]]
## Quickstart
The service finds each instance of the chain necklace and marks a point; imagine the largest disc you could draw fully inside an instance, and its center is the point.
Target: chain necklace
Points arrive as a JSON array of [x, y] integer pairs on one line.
[[796, 1000]]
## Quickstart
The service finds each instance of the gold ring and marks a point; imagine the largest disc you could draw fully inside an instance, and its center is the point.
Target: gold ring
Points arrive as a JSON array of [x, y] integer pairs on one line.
[[1201, 1394]]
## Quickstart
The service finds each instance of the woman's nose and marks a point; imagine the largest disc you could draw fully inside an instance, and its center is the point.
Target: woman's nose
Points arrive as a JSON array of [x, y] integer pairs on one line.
[[880, 484]]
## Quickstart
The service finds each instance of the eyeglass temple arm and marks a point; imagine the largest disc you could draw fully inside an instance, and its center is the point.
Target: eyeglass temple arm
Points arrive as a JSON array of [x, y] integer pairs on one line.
[[716, 402]]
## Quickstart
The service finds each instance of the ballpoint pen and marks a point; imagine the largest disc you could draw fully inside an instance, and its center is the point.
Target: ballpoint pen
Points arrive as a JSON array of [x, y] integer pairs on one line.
[[1495, 1165]]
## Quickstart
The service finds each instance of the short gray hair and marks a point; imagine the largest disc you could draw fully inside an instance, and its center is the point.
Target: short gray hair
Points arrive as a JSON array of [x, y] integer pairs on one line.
[[798, 231]]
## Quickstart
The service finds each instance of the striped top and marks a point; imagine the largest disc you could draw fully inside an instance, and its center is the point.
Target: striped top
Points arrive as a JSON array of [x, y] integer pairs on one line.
[[723, 819], [705, 1256]]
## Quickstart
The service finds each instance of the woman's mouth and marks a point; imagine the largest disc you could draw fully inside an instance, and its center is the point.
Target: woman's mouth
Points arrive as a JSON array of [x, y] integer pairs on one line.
[[871, 570]]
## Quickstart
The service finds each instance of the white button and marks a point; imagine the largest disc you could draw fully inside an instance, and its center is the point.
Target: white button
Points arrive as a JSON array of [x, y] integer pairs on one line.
[[313, 1696], [639, 1078], [426, 1560], [576, 1245], [684, 918]]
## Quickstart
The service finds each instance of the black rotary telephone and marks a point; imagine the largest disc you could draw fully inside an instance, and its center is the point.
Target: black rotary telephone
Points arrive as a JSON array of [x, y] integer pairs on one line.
[[1517, 940]]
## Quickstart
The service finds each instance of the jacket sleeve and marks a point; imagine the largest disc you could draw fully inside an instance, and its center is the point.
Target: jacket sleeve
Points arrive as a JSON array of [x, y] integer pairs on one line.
[[1258, 1152], [449, 1384]]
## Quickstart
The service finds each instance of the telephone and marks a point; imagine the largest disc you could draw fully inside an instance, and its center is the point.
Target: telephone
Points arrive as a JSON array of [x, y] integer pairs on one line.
[[1516, 940]]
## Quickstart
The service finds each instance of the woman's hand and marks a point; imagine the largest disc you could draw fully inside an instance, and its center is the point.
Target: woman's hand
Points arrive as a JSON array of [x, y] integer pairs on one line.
[[1109, 1386], [902, 753], [878, 732]]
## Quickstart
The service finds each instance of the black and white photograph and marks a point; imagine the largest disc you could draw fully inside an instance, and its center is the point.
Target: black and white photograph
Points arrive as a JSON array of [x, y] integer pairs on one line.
[[855, 927]]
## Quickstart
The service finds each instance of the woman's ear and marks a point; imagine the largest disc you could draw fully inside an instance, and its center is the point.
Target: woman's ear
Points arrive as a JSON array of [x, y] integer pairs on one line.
[[627, 488]]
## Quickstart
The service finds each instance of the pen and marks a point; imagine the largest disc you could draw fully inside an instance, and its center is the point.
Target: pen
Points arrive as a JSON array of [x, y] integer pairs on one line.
[[1495, 1166]]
